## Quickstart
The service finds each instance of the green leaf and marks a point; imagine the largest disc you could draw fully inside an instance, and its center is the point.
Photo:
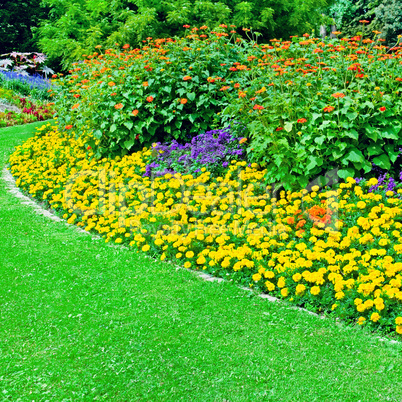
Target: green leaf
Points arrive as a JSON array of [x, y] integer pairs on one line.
[[98, 134], [113, 128], [352, 134], [288, 127], [129, 143], [392, 154], [191, 96], [129, 124], [320, 140], [371, 132], [352, 115], [345, 173], [382, 161], [374, 150], [389, 132], [314, 161], [316, 116], [355, 155]]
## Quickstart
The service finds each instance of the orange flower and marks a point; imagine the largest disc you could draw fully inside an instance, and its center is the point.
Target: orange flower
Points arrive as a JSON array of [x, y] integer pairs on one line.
[[118, 106], [290, 220], [243, 140], [398, 79], [187, 26], [150, 98], [113, 94], [237, 85], [364, 22], [126, 46], [134, 112], [301, 121], [338, 95], [383, 109], [242, 94], [183, 101], [258, 107], [224, 88], [111, 84], [75, 106], [145, 84], [68, 127], [210, 79], [186, 78], [76, 96], [328, 109]]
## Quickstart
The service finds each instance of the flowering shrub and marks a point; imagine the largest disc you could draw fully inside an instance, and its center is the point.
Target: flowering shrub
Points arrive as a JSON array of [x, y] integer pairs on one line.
[[311, 106], [169, 89], [210, 151], [335, 250]]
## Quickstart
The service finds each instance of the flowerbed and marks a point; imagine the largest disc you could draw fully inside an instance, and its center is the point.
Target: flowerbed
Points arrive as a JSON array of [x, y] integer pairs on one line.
[[335, 250], [308, 105]]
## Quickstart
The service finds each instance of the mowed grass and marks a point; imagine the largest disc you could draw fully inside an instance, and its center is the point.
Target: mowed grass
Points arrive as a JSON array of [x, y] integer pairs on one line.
[[84, 321]]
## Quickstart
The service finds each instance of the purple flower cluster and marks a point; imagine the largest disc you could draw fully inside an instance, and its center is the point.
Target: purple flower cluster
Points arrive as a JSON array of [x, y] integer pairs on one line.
[[212, 150]]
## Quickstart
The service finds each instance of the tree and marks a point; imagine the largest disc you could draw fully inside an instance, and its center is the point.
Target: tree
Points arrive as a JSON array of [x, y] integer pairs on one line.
[[75, 27], [18, 18]]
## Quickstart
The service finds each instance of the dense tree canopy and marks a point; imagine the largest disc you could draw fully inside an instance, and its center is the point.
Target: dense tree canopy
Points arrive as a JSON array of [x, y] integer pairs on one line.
[[75, 27], [17, 18]]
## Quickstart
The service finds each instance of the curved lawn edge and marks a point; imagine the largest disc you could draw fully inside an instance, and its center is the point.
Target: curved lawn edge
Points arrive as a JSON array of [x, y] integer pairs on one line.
[[39, 209], [83, 320]]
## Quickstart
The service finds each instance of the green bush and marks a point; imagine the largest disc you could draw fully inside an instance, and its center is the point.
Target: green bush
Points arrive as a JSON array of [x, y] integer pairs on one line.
[[169, 89]]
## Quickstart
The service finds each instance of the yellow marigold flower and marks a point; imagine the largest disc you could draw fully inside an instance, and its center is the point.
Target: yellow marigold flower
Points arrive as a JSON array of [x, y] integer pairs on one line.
[[375, 317], [256, 277], [399, 329], [315, 290], [146, 247], [296, 277], [300, 288], [361, 205], [339, 295], [163, 256], [361, 320], [334, 306], [281, 282], [398, 320], [187, 264], [284, 292], [190, 254]]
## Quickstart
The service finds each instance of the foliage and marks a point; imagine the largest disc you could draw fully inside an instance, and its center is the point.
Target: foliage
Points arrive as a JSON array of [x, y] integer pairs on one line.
[[18, 19], [75, 27], [383, 15], [335, 250], [169, 89], [210, 151], [315, 106]]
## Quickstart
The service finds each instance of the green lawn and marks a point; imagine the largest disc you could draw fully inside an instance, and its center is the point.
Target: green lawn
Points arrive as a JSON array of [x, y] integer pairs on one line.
[[83, 321]]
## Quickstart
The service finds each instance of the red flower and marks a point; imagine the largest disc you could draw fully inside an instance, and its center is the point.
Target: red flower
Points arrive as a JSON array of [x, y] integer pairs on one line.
[[150, 98], [186, 78], [88, 147], [134, 112], [118, 106], [279, 129], [224, 88], [183, 101], [383, 109], [126, 46], [328, 109], [301, 121], [398, 79], [68, 127], [186, 26], [237, 85], [338, 95], [258, 107]]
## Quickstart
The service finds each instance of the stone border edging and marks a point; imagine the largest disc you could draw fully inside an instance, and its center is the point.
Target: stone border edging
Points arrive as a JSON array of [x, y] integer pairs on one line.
[[37, 208]]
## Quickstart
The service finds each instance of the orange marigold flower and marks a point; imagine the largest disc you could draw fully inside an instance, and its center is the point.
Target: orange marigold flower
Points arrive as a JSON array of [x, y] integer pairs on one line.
[[187, 77], [328, 109], [68, 127], [134, 112], [301, 121], [383, 109], [145, 84], [150, 98], [118, 106], [338, 95], [183, 101], [111, 84]]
